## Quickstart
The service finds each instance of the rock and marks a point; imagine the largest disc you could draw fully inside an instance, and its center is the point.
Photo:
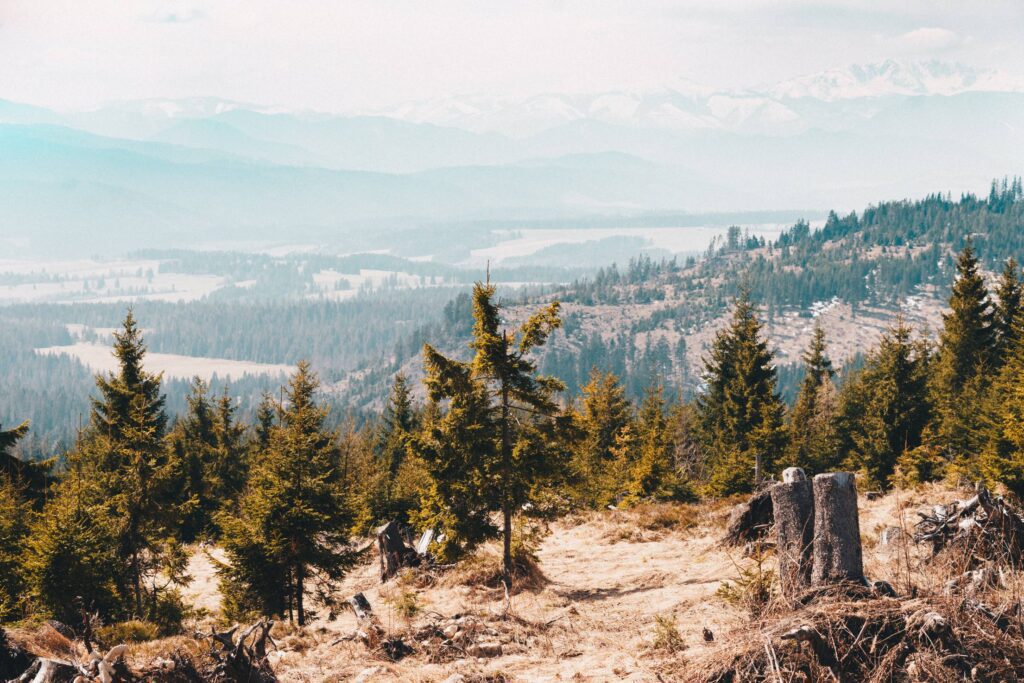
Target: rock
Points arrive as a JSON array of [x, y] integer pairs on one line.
[[366, 674], [484, 649]]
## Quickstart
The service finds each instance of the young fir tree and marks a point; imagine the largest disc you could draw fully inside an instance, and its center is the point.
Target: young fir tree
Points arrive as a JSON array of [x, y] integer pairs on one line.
[[492, 447], [193, 441], [1006, 322], [812, 444], [740, 413], [14, 517], [604, 413], [228, 469], [266, 418], [30, 477], [884, 406], [390, 491], [288, 534], [72, 560], [961, 372], [131, 477], [653, 474]]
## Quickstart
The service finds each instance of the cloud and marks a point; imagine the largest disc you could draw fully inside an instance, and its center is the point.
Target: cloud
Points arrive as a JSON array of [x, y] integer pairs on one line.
[[930, 39], [170, 16]]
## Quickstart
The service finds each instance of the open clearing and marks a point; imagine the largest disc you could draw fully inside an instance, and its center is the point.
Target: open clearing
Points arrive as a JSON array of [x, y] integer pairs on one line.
[[609, 576], [100, 358]]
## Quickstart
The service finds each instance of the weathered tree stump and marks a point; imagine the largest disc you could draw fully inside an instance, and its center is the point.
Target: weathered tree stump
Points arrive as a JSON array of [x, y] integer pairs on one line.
[[793, 506], [394, 553], [751, 520], [837, 551]]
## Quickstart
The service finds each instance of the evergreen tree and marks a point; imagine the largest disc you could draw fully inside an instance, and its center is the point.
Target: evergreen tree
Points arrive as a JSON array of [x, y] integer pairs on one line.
[[884, 406], [289, 530], [1007, 321], [653, 473], [266, 415], [812, 444], [72, 561], [193, 442], [740, 412], [132, 477], [498, 428], [965, 356], [228, 469], [28, 476], [14, 517], [603, 415]]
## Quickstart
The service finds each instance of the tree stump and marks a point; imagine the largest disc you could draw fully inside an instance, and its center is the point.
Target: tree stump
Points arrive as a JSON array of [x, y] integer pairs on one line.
[[837, 550], [793, 506], [749, 521], [394, 553]]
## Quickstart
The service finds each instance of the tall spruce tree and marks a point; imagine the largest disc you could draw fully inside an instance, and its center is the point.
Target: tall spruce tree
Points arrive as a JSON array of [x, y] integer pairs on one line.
[[193, 441], [812, 444], [884, 406], [14, 518], [132, 477], [962, 369], [1006, 322], [289, 532], [30, 477], [496, 434], [740, 412]]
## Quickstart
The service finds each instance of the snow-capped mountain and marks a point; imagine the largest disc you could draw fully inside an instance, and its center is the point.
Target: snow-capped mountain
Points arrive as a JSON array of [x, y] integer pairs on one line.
[[895, 78], [687, 107]]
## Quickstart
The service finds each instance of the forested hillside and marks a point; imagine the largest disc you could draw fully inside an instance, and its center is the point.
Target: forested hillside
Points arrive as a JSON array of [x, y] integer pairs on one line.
[[648, 318]]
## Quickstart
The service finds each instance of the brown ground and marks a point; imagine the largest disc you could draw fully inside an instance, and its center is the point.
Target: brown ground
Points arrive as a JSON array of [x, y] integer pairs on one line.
[[609, 576]]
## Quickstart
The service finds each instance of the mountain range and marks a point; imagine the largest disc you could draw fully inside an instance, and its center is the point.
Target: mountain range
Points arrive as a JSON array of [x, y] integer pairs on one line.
[[154, 172]]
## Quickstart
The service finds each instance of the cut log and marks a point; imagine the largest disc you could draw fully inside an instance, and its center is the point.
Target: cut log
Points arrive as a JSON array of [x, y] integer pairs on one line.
[[751, 520], [837, 550], [394, 552], [793, 509]]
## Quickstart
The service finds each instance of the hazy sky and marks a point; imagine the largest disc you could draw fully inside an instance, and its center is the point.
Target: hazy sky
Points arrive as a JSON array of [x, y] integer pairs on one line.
[[352, 54]]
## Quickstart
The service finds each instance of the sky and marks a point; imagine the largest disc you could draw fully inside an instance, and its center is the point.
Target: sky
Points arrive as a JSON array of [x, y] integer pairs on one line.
[[352, 55]]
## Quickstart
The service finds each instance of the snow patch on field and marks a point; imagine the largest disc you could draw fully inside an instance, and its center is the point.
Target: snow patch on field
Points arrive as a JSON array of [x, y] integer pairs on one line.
[[100, 358], [519, 243]]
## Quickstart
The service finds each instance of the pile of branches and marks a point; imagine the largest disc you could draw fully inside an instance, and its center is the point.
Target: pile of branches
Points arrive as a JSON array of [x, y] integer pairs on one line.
[[52, 654], [241, 657], [985, 530], [876, 640]]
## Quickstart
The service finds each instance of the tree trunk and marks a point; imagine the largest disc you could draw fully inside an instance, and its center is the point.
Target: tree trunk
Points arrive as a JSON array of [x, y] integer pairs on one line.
[[394, 553], [837, 550], [506, 504], [793, 508], [758, 465], [299, 590]]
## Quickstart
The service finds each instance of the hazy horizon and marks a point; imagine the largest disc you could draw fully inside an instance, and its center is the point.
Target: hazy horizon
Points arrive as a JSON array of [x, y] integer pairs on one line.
[[366, 56]]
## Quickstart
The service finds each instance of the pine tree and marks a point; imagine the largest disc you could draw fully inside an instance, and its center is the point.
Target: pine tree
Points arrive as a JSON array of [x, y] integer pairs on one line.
[[490, 450], [132, 477], [289, 530], [390, 493], [229, 467], [884, 406], [266, 417], [14, 518], [193, 441], [653, 473], [962, 369], [740, 412], [29, 476], [1006, 323], [72, 559], [603, 415], [811, 433]]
